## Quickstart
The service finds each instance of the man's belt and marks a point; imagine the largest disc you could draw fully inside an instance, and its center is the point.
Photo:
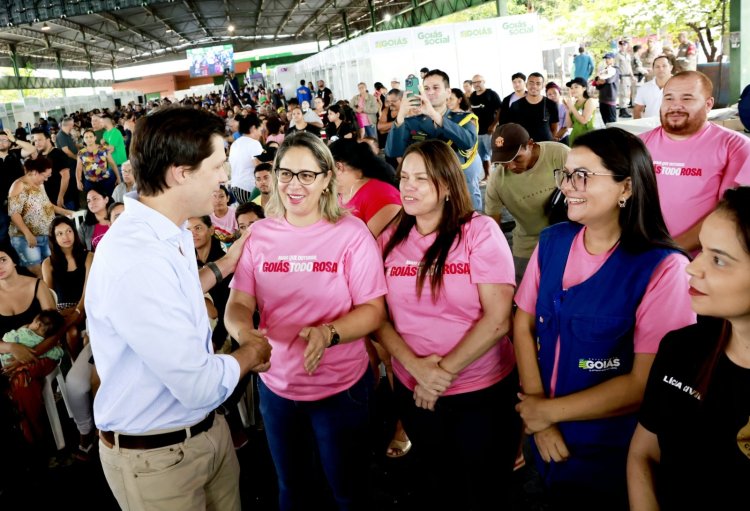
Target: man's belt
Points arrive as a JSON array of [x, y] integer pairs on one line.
[[160, 440]]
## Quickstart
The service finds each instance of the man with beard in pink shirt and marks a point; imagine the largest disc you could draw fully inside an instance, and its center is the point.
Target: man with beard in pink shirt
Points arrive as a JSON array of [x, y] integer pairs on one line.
[[695, 160]]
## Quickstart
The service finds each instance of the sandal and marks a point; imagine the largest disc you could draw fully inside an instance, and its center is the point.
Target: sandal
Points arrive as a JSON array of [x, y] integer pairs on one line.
[[398, 448]]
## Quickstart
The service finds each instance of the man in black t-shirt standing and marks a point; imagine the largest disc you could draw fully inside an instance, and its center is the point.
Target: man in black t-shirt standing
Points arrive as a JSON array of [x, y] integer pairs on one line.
[[324, 93], [58, 186], [536, 113], [485, 103]]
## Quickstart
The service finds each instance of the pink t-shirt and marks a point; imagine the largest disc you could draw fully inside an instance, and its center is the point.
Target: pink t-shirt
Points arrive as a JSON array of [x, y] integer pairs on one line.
[[665, 305], [225, 226], [693, 174], [371, 198], [305, 276], [99, 231], [362, 118], [482, 257]]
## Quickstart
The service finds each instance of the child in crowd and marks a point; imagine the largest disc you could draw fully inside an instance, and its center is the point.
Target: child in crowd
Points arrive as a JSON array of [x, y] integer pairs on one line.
[[44, 324]]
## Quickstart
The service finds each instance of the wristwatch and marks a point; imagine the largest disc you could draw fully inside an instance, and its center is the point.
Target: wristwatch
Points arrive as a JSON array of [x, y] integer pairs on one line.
[[335, 337]]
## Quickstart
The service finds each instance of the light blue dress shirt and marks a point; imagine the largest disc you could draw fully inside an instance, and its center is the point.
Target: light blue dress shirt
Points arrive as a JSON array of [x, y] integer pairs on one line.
[[149, 329]]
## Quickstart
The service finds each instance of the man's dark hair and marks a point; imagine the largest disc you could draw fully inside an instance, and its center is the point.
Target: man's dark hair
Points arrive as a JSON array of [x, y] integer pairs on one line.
[[518, 75], [263, 167], [636, 48], [581, 49], [249, 207], [441, 74], [302, 82], [34, 131], [396, 92], [536, 75], [247, 122], [172, 136]]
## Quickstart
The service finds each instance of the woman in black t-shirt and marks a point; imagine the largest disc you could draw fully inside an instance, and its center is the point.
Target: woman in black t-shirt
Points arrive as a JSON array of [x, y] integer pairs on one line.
[[298, 123], [691, 449], [338, 127]]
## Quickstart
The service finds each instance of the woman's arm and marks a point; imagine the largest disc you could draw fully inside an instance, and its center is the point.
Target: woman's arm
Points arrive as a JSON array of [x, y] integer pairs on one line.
[[254, 352], [382, 218], [643, 456], [362, 320], [426, 370], [620, 395], [526, 353], [79, 174], [47, 273], [114, 167], [496, 301]]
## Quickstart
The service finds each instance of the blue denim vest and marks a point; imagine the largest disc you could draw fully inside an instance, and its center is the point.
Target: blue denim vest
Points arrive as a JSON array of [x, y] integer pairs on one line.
[[595, 321]]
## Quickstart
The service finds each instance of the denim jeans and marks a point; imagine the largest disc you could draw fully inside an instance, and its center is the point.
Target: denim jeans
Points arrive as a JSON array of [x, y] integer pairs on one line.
[[466, 447], [332, 434], [31, 256], [485, 146], [474, 174]]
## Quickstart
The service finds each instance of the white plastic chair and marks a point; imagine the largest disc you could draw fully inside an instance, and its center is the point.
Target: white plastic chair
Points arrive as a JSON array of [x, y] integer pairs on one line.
[[49, 404]]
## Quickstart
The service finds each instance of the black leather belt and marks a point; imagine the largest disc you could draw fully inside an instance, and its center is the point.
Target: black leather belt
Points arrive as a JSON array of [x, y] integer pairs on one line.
[[161, 440]]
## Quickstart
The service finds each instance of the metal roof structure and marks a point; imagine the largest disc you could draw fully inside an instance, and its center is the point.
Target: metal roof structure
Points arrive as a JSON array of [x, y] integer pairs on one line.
[[102, 34]]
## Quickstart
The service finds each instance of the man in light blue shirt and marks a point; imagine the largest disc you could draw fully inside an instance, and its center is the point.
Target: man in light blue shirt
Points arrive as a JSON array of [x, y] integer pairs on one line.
[[583, 64], [150, 336]]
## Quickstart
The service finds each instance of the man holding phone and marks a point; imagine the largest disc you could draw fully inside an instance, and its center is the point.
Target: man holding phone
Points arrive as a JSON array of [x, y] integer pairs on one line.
[[426, 116]]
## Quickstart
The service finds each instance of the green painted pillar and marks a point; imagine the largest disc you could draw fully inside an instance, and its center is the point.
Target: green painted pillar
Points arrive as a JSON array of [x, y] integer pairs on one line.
[[739, 54], [346, 24], [60, 72], [502, 7], [14, 60], [373, 25]]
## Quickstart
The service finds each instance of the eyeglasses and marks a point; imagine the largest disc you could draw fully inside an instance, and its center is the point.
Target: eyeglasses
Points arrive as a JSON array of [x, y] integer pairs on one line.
[[577, 178], [305, 177], [477, 82]]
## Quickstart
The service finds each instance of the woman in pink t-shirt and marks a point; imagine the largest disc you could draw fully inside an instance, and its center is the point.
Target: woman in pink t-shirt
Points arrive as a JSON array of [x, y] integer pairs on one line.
[[450, 286], [599, 294], [315, 274]]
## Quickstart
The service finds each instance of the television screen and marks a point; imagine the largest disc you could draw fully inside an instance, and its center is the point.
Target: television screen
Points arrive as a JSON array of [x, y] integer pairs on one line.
[[210, 61]]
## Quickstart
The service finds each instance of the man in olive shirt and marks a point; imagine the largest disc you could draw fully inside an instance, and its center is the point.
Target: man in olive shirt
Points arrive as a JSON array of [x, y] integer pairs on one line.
[[523, 183]]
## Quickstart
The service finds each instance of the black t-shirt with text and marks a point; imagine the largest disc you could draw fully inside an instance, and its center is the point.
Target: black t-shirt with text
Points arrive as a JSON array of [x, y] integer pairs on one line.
[[704, 437], [485, 107], [537, 119]]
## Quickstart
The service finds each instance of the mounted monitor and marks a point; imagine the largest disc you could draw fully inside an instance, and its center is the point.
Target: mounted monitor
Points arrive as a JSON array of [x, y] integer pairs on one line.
[[210, 61]]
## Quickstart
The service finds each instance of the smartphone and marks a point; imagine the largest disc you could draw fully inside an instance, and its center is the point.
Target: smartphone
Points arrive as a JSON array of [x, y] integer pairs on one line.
[[412, 84]]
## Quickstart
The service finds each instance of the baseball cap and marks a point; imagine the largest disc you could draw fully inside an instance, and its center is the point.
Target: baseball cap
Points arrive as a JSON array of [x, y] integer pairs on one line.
[[580, 81], [514, 137], [609, 55]]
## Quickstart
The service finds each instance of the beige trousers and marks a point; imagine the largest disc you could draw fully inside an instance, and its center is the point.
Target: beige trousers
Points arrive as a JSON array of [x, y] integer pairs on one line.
[[201, 473]]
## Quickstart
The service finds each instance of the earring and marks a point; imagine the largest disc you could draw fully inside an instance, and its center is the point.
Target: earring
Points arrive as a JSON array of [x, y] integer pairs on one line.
[[622, 202], [447, 198]]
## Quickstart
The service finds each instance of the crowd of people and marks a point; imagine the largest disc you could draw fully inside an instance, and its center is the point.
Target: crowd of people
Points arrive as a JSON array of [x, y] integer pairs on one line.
[[313, 241]]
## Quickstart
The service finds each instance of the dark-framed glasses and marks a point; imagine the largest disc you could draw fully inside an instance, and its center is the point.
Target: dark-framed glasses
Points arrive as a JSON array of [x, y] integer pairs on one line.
[[577, 178], [305, 177]]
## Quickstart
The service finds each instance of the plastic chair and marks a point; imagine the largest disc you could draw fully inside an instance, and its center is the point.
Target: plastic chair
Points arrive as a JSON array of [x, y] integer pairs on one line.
[[51, 406]]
